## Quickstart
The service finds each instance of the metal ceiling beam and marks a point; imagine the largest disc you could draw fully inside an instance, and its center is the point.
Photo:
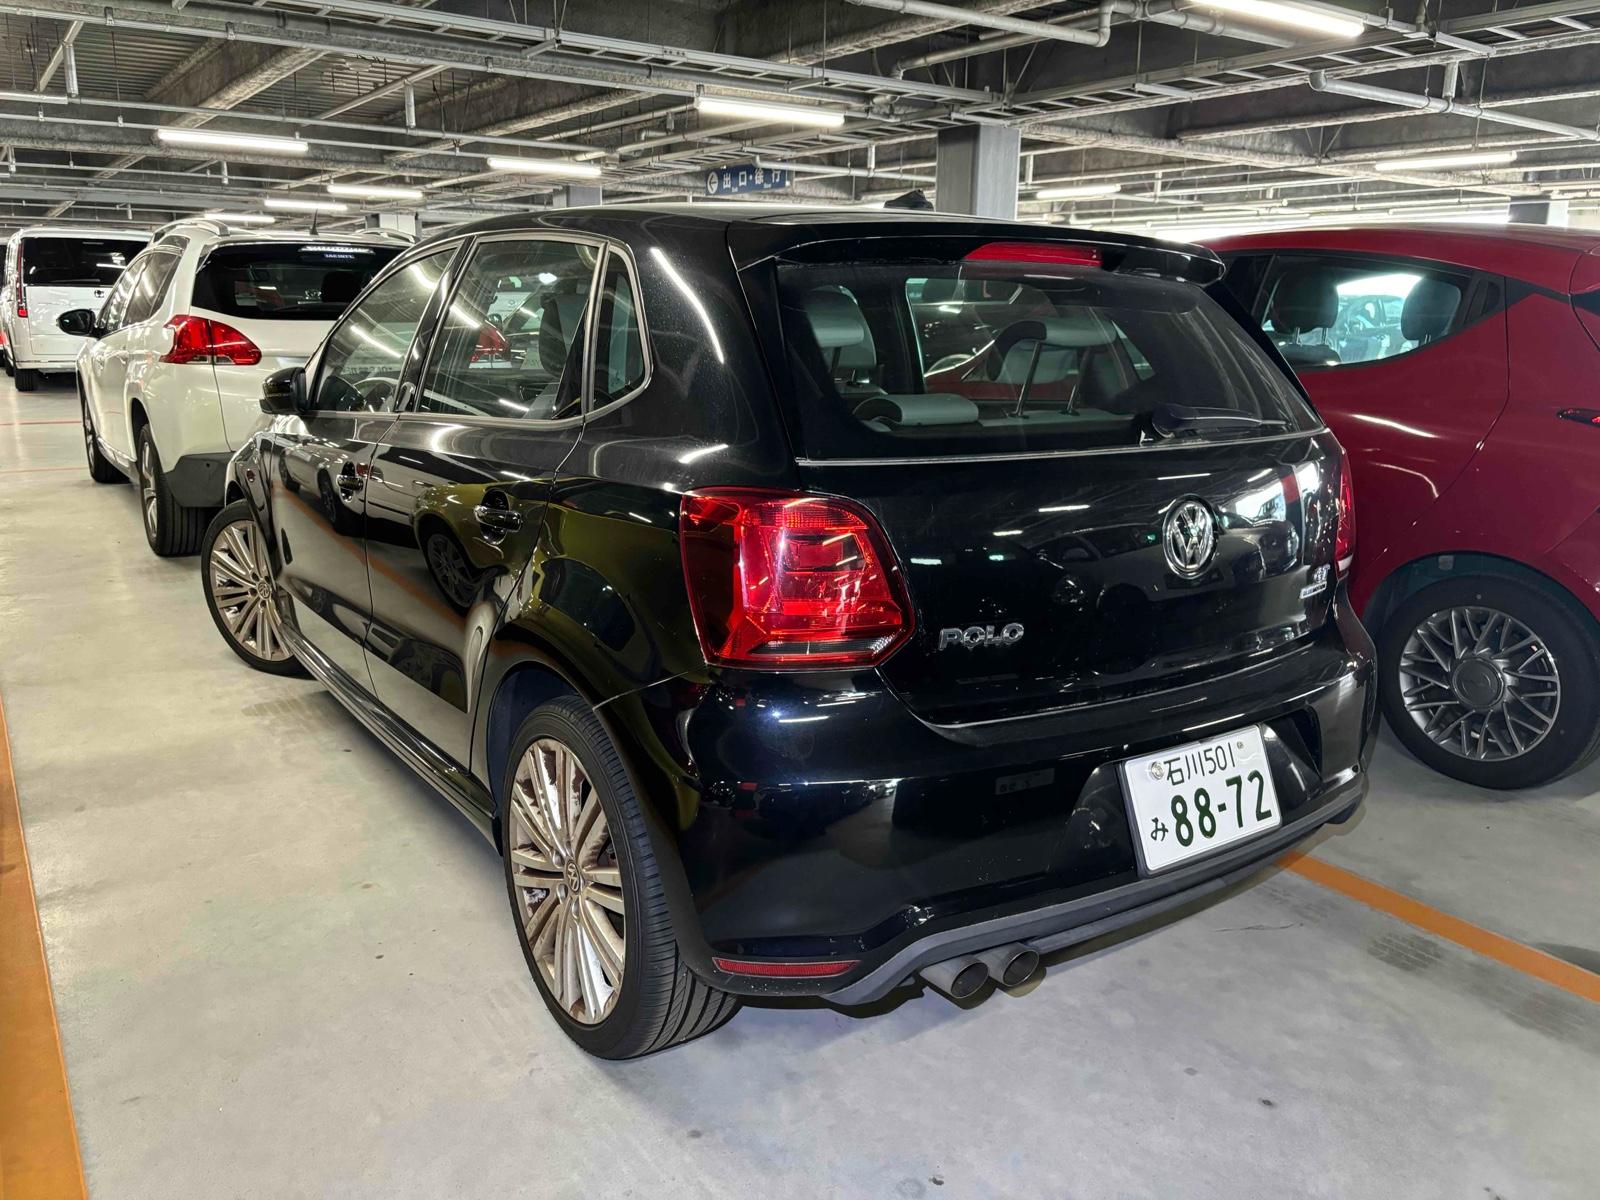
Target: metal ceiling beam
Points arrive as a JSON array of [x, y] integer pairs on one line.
[[1320, 81]]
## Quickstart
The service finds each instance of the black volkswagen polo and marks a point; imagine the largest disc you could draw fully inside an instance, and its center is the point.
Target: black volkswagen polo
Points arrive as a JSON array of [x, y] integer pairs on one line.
[[807, 603]]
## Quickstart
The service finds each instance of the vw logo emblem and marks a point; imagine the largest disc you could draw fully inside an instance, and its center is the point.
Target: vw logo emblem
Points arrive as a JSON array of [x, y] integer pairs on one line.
[[1189, 537]]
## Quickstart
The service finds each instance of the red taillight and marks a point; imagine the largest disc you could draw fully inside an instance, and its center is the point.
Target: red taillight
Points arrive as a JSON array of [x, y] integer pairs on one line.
[[200, 339], [1344, 538], [1054, 253], [22, 301], [491, 345], [785, 970], [783, 580]]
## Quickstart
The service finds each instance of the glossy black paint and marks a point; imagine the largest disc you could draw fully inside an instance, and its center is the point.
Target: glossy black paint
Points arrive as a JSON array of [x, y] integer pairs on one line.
[[449, 574]]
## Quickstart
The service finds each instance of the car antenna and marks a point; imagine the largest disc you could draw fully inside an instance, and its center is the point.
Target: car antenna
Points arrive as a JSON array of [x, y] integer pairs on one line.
[[912, 199]]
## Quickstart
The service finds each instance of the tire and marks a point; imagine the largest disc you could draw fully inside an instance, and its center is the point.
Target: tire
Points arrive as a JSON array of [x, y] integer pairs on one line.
[[1556, 729], [26, 379], [6, 364], [101, 468], [659, 1002], [172, 529], [232, 553]]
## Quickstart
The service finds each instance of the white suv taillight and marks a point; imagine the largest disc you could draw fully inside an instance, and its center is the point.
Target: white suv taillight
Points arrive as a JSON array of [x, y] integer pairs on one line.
[[788, 581], [200, 339]]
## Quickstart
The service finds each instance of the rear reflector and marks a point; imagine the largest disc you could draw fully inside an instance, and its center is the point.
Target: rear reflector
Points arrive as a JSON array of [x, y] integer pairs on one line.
[[1054, 253], [780, 580], [785, 970]]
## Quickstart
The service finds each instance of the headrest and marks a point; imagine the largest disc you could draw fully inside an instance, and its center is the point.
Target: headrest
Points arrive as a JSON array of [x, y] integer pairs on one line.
[[1429, 309], [340, 287], [1305, 299], [934, 408], [1298, 355], [836, 320], [557, 329], [1078, 332]]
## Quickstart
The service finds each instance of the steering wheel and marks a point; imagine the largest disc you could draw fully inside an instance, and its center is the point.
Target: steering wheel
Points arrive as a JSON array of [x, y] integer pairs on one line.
[[375, 392]]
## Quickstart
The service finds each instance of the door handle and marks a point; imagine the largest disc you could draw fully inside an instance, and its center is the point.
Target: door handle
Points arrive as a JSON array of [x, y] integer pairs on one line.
[[349, 481], [497, 522]]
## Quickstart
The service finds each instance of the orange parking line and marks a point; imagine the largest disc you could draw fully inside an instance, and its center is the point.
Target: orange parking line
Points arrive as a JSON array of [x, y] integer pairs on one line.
[[1503, 950], [39, 1157]]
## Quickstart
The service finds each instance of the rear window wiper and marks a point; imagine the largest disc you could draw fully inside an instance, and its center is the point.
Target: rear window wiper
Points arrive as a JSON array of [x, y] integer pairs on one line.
[[1176, 420]]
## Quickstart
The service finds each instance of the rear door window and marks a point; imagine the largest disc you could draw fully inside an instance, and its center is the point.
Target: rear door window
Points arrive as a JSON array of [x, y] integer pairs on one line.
[[280, 281], [76, 261], [510, 343], [1333, 310], [919, 358], [151, 287]]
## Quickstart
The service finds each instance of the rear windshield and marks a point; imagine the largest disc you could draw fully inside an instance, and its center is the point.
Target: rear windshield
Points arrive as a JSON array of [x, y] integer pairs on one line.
[[75, 261], [277, 282], [896, 358]]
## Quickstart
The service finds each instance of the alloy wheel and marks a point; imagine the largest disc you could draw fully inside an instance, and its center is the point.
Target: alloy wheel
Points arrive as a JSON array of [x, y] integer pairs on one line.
[[147, 488], [567, 881], [1479, 683], [241, 585], [450, 568]]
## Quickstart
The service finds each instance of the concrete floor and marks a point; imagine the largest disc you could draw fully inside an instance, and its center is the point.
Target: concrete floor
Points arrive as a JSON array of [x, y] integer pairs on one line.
[[284, 968]]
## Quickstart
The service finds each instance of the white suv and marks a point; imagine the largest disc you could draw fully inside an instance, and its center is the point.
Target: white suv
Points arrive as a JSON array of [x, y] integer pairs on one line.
[[48, 270], [170, 375]]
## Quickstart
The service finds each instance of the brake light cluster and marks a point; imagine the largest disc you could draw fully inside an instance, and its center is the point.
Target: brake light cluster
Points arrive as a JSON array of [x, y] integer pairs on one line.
[[22, 301], [783, 580], [1060, 254], [1344, 537], [203, 340]]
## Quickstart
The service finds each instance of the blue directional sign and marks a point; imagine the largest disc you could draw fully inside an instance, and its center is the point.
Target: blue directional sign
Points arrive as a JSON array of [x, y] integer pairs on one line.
[[744, 177]]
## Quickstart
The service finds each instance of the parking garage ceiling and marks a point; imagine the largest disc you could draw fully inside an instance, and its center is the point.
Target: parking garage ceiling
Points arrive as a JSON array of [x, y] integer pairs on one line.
[[1168, 115]]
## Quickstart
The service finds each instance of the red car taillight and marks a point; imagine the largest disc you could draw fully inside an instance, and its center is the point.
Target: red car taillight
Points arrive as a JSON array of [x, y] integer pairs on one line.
[[789, 581], [1344, 538], [1060, 254], [200, 339], [22, 301]]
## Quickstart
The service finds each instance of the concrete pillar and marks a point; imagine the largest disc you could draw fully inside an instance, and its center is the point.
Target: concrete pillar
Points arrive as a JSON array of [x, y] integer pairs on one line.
[[575, 195], [976, 172], [400, 222], [1539, 210]]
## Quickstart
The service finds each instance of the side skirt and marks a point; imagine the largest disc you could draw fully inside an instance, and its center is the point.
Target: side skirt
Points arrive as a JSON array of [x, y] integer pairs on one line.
[[449, 780]]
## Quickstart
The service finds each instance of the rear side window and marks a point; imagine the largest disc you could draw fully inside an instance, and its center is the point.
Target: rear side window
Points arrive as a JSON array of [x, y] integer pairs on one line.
[[151, 287], [75, 261], [1333, 311], [619, 365], [892, 359], [287, 281]]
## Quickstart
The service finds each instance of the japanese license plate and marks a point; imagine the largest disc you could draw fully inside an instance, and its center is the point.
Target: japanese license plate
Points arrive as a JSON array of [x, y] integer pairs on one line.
[[1190, 800]]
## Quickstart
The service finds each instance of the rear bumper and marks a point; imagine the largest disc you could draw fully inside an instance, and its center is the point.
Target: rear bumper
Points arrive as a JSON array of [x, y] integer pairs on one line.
[[826, 822]]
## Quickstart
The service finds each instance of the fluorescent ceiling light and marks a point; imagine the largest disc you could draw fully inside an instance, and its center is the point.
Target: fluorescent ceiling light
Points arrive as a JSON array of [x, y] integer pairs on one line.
[[231, 141], [312, 206], [1320, 20], [785, 114], [545, 166], [242, 218], [1077, 191], [1430, 162], [356, 191], [33, 97]]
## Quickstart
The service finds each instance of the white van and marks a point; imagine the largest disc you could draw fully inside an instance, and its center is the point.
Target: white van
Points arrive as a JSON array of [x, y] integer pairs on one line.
[[50, 269]]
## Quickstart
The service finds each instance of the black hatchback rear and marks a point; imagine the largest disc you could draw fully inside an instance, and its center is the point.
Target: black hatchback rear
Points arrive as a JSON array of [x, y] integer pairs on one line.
[[809, 602]]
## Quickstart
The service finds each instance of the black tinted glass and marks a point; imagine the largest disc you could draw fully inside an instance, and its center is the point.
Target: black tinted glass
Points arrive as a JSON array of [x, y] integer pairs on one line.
[[76, 262], [892, 359], [290, 282]]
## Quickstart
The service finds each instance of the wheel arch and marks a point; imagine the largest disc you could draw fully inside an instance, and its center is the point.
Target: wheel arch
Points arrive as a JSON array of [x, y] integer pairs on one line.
[[519, 691], [1407, 580]]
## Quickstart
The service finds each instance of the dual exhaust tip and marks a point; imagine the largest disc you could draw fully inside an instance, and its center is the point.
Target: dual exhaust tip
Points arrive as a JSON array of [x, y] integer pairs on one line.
[[961, 977]]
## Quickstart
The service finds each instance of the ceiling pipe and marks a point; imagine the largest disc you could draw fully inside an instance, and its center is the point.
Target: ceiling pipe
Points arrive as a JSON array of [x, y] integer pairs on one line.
[[1041, 30], [1321, 82], [1164, 12]]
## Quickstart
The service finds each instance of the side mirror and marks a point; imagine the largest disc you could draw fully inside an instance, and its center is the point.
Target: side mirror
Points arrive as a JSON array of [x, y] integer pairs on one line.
[[79, 322], [283, 393]]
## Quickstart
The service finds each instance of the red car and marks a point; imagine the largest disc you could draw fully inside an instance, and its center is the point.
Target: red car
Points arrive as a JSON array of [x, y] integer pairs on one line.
[[1460, 367]]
